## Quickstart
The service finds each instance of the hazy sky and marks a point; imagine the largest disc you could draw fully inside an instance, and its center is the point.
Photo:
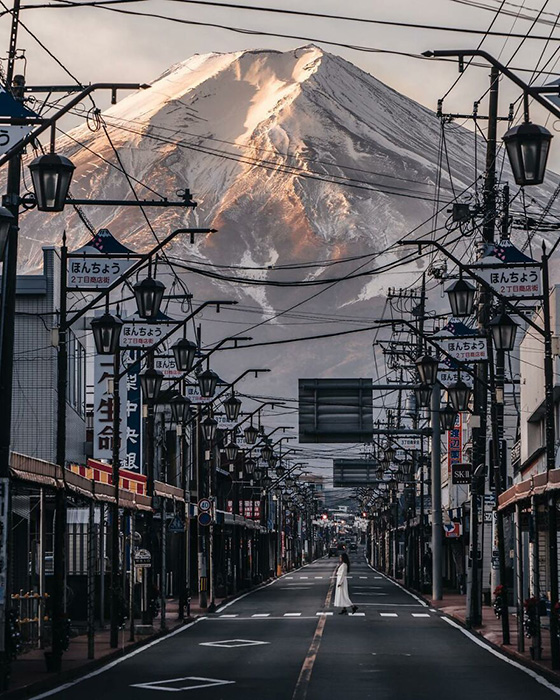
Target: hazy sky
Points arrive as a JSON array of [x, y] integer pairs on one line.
[[96, 44]]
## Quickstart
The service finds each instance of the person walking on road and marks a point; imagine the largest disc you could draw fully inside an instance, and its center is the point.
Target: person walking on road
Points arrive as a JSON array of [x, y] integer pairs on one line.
[[341, 597]]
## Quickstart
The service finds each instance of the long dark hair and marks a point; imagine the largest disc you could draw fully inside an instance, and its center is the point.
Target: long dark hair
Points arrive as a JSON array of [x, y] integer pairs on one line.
[[345, 560]]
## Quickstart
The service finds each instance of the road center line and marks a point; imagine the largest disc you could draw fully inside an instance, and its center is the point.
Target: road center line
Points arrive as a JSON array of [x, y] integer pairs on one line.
[[302, 685]]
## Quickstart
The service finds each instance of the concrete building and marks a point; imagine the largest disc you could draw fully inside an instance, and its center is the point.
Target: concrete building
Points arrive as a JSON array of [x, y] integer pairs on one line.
[[35, 376]]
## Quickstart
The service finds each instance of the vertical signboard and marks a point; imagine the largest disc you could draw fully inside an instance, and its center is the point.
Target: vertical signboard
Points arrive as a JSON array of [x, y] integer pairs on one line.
[[455, 443], [130, 412]]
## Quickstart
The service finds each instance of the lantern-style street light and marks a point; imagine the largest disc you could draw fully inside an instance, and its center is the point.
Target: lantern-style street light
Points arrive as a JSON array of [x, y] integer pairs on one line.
[[503, 329], [207, 382], [251, 434], [461, 298], [267, 452], [427, 367], [250, 466], [184, 352], [51, 175], [527, 147], [106, 333], [6, 221], [447, 417], [232, 407], [459, 395], [180, 409], [150, 381], [423, 394], [209, 428], [149, 295], [232, 450], [390, 453]]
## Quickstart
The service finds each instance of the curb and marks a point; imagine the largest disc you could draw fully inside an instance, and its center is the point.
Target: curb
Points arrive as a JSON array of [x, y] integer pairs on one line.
[[550, 675]]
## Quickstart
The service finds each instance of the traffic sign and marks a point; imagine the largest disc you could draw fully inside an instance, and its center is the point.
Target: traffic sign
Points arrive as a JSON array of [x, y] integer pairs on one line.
[[142, 558], [176, 524], [204, 505], [204, 519]]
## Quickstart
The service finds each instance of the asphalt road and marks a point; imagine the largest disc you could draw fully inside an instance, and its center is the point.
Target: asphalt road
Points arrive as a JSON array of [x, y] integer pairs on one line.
[[285, 642]]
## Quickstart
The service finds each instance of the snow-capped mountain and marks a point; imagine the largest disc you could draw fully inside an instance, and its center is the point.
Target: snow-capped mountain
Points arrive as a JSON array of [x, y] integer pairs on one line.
[[293, 157]]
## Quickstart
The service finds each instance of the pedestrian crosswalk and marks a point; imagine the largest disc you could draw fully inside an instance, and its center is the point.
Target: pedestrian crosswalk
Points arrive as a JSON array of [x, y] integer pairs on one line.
[[327, 613]]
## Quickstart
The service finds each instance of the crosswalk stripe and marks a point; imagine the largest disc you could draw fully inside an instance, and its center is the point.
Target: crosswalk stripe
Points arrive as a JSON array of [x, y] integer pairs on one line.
[[261, 615], [388, 614], [318, 577], [363, 576], [324, 613], [357, 614], [292, 614], [302, 577], [228, 616], [420, 615]]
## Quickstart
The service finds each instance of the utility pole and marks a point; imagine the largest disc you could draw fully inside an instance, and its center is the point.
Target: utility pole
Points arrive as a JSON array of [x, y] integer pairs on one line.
[[15, 84], [474, 611], [437, 525]]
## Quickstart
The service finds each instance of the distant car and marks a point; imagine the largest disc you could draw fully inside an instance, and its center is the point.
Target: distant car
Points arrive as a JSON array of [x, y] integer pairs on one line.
[[353, 547], [332, 552]]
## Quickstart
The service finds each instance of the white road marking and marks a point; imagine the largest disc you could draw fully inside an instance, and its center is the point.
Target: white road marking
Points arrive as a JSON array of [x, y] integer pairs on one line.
[[502, 657], [388, 614], [233, 643], [292, 614], [302, 577], [363, 576], [114, 663], [261, 615], [202, 683], [318, 577], [420, 615], [324, 613], [229, 615], [357, 614], [288, 578], [378, 577]]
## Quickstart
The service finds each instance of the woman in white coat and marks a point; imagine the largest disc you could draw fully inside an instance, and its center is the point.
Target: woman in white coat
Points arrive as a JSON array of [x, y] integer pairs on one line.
[[341, 598]]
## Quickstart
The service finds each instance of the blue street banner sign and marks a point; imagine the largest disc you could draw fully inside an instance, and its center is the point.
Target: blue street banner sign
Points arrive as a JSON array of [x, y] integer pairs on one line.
[[176, 524], [11, 134]]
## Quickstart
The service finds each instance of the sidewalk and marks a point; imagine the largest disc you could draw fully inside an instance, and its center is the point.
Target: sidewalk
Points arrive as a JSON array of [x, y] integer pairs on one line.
[[29, 674]]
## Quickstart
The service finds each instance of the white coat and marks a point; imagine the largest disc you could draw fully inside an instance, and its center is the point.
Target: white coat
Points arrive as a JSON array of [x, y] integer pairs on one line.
[[341, 598]]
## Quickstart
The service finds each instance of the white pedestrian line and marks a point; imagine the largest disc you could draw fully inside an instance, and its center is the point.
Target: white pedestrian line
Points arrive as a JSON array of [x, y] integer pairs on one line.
[[324, 613], [378, 577], [287, 578], [292, 614], [357, 614], [261, 615], [318, 577], [178, 684], [228, 615], [233, 643], [420, 614], [388, 614], [363, 576], [302, 577]]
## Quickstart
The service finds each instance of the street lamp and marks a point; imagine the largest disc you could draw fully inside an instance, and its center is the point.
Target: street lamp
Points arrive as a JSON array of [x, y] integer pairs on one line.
[[459, 395], [390, 453], [461, 298], [427, 367], [207, 382], [184, 352], [527, 147], [266, 453], [280, 470], [151, 381], [266, 481], [232, 407], [180, 409], [503, 329], [51, 175], [149, 295], [423, 393], [106, 333], [447, 417], [6, 220], [232, 450], [209, 427], [249, 466], [251, 434]]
